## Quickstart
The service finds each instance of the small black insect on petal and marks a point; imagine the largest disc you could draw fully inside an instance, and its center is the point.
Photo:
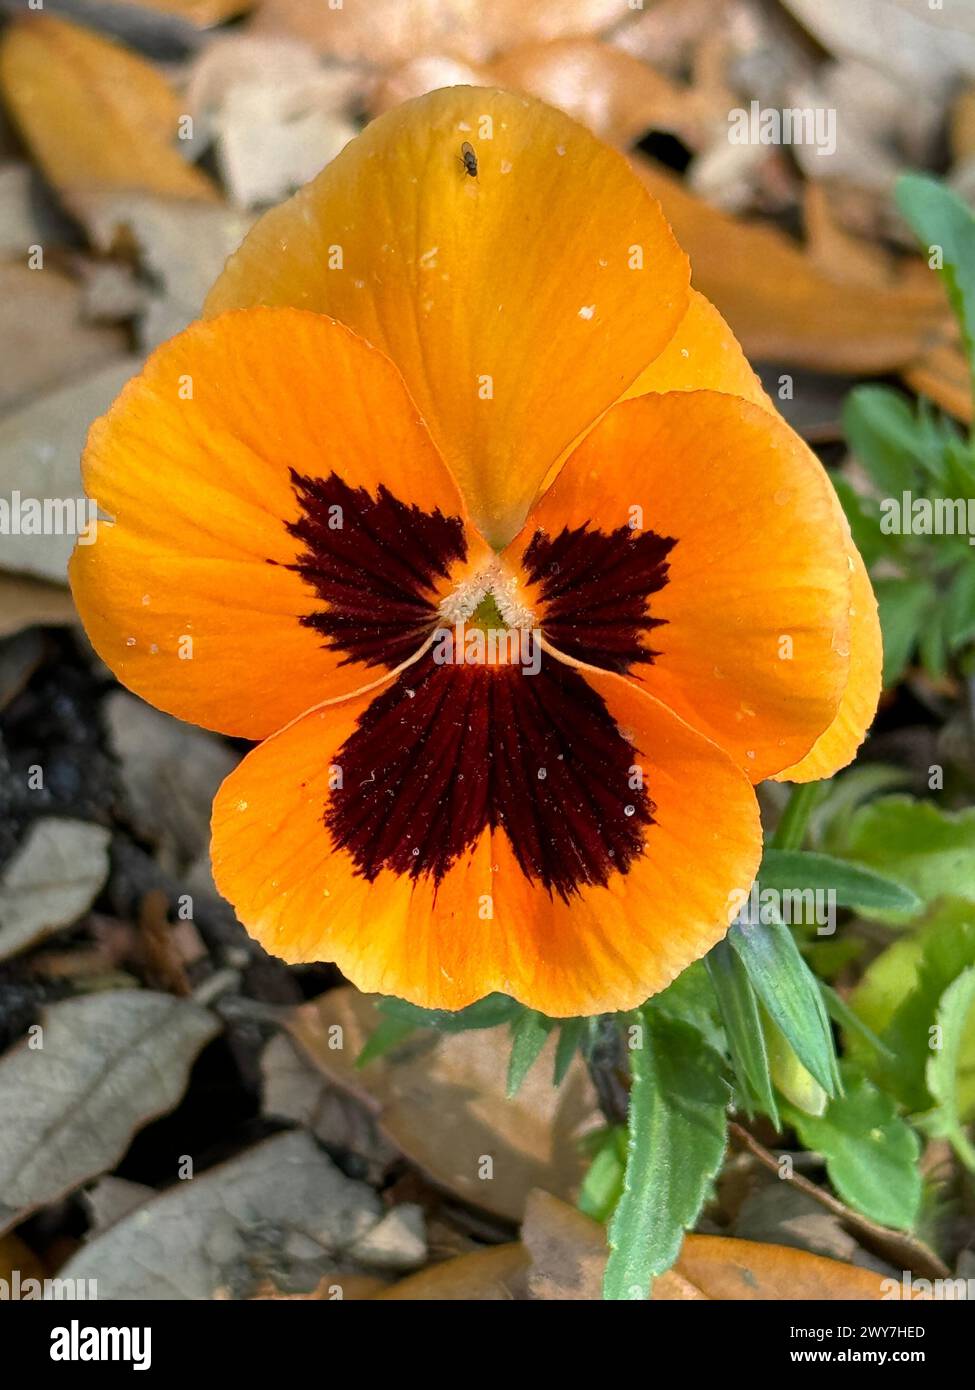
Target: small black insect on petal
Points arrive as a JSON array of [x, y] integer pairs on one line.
[[469, 157]]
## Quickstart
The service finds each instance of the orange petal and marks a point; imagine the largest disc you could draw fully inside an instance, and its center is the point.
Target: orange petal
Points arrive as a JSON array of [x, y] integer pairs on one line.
[[518, 304], [487, 926], [188, 595], [754, 644], [705, 353], [837, 746]]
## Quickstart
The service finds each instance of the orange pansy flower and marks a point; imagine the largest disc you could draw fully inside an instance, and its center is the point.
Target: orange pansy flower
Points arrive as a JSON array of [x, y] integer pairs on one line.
[[467, 505]]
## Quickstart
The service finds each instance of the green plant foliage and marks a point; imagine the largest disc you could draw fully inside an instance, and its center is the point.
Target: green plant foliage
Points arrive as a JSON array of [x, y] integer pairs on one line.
[[529, 1034], [790, 993], [932, 851], [871, 1152], [910, 516], [945, 1064], [676, 1140]]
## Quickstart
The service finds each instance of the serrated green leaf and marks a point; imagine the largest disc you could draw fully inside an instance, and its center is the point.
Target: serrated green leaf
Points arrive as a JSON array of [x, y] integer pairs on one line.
[[572, 1032], [488, 1012], [676, 1139], [790, 993], [529, 1036], [389, 1033], [903, 605], [854, 886], [881, 429], [871, 1153], [743, 1029], [945, 1121], [959, 609]]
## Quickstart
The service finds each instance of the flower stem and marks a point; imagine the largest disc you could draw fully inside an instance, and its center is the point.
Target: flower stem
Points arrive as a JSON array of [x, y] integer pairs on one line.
[[791, 829]]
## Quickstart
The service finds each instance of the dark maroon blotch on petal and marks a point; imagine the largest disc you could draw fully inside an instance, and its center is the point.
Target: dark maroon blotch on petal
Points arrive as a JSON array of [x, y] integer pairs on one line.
[[375, 562], [594, 588], [449, 750]]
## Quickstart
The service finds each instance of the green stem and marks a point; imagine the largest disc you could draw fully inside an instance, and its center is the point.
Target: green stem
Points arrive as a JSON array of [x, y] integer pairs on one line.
[[791, 829]]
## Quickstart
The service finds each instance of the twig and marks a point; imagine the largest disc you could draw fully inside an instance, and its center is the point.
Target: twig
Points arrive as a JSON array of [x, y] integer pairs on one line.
[[881, 1239]]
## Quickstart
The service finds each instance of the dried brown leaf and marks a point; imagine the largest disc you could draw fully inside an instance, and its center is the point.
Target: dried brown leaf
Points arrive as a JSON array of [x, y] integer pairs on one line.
[[441, 1100]]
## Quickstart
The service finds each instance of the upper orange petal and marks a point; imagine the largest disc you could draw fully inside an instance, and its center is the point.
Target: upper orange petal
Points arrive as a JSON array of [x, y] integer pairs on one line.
[[518, 304], [189, 594], [705, 353], [486, 925], [754, 598]]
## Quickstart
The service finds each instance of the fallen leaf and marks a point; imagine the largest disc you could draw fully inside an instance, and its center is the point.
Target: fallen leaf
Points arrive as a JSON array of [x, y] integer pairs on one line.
[[276, 114], [725, 1268], [170, 772], [835, 251], [780, 1214], [568, 1255], [441, 1100], [426, 73], [293, 1089], [942, 375], [42, 312], [127, 1053], [493, 1275], [281, 1211], [618, 97], [201, 13], [568, 1252], [781, 307], [26, 218], [387, 32], [94, 115], [181, 246], [51, 881], [40, 453], [18, 1258], [109, 1199], [910, 40]]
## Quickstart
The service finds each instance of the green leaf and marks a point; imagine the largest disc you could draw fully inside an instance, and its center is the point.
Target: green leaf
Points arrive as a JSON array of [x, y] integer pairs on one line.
[[790, 993], [864, 517], [854, 886], [841, 1013], [881, 429], [931, 851], [743, 1029], [871, 1153], [602, 1186], [899, 997], [933, 644], [488, 1012], [945, 1120], [528, 1038], [903, 604], [939, 218], [845, 794], [572, 1032], [389, 1033], [690, 999], [959, 609], [676, 1139]]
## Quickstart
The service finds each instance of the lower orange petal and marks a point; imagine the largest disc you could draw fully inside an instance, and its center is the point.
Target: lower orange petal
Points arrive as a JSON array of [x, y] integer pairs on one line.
[[486, 925]]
